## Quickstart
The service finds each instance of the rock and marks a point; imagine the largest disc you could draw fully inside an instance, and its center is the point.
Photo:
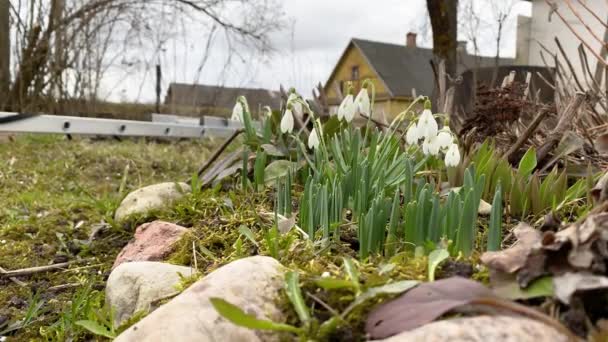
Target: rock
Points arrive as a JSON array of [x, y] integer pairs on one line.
[[252, 284], [485, 208], [481, 329], [152, 242], [134, 286], [151, 197]]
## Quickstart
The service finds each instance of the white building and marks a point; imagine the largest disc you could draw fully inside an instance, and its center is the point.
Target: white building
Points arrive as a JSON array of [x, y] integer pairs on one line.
[[544, 26]]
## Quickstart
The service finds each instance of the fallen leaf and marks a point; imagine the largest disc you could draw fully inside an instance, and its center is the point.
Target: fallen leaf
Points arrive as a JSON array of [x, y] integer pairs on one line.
[[567, 284], [272, 150], [514, 258], [542, 287], [422, 305]]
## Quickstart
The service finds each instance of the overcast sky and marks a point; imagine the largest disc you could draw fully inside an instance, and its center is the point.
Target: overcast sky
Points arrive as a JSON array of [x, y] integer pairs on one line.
[[308, 48]]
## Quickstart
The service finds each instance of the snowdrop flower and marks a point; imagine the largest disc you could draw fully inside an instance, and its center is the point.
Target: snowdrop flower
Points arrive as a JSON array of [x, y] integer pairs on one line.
[[325, 275], [237, 112], [427, 126], [362, 102], [347, 109], [444, 138], [313, 139], [287, 121], [294, 100], [267, 111], [412, 135], [452, 156], [430, 146]]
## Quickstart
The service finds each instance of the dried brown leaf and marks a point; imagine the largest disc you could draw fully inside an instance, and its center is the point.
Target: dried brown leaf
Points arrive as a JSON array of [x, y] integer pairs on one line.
[[422, 305], [514, 258], [567, 284]]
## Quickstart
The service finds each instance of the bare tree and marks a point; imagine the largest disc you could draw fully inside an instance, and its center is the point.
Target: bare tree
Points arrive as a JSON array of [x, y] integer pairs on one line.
[[5, 50], [62, 47], [444, 22], [502, 11]]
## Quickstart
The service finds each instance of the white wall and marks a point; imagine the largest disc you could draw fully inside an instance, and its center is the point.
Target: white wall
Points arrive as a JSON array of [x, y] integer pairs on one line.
[[543, 31]]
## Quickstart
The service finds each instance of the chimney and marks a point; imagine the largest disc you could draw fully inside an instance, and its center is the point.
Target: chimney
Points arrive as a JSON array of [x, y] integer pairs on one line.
[[410, 40]]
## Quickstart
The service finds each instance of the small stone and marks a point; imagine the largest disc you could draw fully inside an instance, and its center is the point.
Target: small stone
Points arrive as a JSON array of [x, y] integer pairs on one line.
[[153, 241], [485, 208], [481, 329], [253, 284], [149, 198], [136, 286]]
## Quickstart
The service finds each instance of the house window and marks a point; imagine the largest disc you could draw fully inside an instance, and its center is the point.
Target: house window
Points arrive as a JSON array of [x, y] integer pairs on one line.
[[354, 73]]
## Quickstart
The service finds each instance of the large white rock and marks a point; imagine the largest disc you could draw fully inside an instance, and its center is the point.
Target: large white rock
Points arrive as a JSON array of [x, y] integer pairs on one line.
[[482, 329], [253, 284], [134, 286], [151, 197]]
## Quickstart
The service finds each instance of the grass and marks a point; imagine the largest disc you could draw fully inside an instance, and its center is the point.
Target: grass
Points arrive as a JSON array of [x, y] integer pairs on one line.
[[53, 192]]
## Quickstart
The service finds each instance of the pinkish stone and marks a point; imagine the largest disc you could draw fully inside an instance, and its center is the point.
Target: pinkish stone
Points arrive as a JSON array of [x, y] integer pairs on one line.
[[153, 241]]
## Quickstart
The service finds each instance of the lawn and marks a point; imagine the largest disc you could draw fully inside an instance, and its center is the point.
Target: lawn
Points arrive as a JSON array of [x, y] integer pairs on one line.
[[54, 193]]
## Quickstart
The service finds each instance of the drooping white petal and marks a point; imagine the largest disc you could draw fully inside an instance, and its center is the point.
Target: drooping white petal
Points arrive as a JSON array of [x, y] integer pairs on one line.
[[267, 111], [287, 122], [313, 139], [452, 156], [427, 124], [430, 146], [346, 109], [444, 139], [412, 135], [237, 112], [362, 102], [349, 111]]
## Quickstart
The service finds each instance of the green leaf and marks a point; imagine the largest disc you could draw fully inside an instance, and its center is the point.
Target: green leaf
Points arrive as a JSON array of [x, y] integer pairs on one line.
[[244, 230], [542, 287], [353, 273], [237, 316], [393, 288], [435, 258], [333, 283], [527, 164], [277, 169], [495, 229], [292, 286], [96, 328]]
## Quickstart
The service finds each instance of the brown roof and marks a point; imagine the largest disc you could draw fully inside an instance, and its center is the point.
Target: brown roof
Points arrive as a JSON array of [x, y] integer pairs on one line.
[[199, 95], [404, 68]]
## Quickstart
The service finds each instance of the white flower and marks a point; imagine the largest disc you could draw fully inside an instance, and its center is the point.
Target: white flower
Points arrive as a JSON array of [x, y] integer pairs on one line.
[[237, 112], [444, 138], [430, 146], [347, 109], [427, 126], [313, 139], [362, 102], [413, 134], [294, 100], [325, 275], [287, 122], [452, 156], [267, 111]]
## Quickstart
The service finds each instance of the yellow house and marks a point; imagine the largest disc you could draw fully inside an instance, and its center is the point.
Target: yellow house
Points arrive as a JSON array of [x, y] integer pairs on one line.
[[398, 72]]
